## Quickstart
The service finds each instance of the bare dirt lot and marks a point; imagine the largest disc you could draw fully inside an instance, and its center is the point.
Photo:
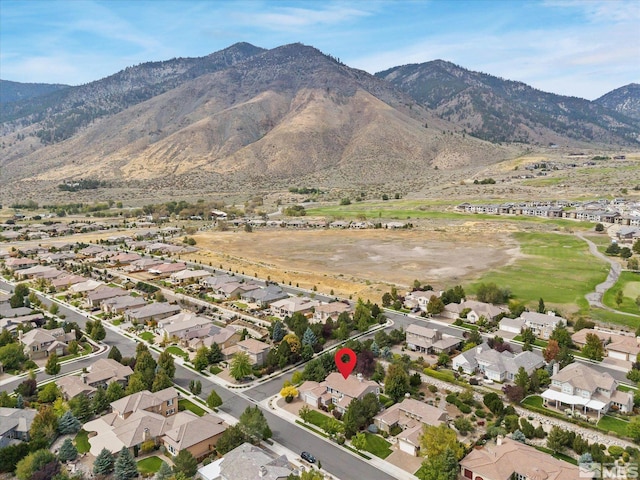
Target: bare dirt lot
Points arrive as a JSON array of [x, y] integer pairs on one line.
[[361, 262]]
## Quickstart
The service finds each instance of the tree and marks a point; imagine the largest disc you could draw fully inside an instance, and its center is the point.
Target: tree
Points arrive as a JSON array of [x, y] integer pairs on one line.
[[613, 249], [619, 298], [528, 336], [115, 354], [161, 381], [463, 425], [240, 366], [49, 393], [551, 351], [365, 363], [289, 391], [98, 333], [215, 354], [146, 368], [633, 428], [201, 360], [214, 400], [100, 401], [396, 383], [305, 413], [435, 305], [164, 473], [254, 425], [38, 461], [21, 291], [12, 356], [81, 407], [115, 391], [541, 306], [599, 227], [493, 403], [67, 451], [103, 464], [68, 423], [593, 347], [294, 343], [443, 359], [359, 441], [231, 438], [125, 466], [633, 264], [557, 439], [52, 367], [309, 338], [195, 387], [439, 467], [19, 401], [522, 379], [278, 332], [45, 425], [436, 441], [185, 463], [625, 252], [166, 364]]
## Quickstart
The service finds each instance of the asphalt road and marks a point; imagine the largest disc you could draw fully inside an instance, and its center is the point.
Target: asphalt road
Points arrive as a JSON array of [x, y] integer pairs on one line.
[[334, 459]]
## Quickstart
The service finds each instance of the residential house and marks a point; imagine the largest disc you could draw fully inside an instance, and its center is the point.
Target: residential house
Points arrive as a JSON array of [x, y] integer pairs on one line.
[[496, 366], [40, 343], [15, 424], [247, 462], [542, 324], [199, 435], [224, 337], [234, 289], [103, 372], [97, 296], [616, 345], [265, 296], [430, 340], [508, 459], [511, 325], [329, 310], [38, 271], [288, 306], [474, 310], [185, 277], [142, 265], [22, 263], [419, 299], [589, 389], [120, 304], [124, 258], [164, 270], [337, 390], [65, 281], [184, 326], [255, 349], [85, 287], [7, 312], [153, 311], [410, 415], [12, 323], [217, 280]]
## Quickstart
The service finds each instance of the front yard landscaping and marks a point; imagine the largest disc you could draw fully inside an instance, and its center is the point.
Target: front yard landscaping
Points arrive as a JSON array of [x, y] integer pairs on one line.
[[318, 419], [185, 404], [612, 424], [147, 336], [377, 445], [177, 351], [82, 441], [149, 465]]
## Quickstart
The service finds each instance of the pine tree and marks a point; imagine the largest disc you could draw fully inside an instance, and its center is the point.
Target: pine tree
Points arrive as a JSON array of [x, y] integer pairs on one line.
[[115, 391], [375, 349], [309, 338], [125, 467], [164, 473], [166, 363], [278, 331], [68, 451], [161, 382], [19, 402], [103, 464], [52, 367], [68, 423], [81, 407], [185, 463], [115, 354], [215, 354], [100, 401], [214, 400]]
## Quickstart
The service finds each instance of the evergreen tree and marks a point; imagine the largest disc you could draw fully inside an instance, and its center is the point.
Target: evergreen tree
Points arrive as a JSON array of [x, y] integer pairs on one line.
[[100, 401], [166, 363], [115, 391], [164, 473], [541, 306], [68, 423], [68, 451], [215, 354], [115, 354], [146, 368], [161, 382], [52, 367], [136, 384], [185, 463], [103, 464], [254, 425], [19, 402], [278, 331], [309, 338], [98, 332], [214, 400], [375, 349], [125, 466], [81, 407]]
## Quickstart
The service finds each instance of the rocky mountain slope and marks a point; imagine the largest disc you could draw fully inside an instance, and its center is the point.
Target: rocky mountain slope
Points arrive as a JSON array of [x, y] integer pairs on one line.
[[625, 100], [500, 110], [16, 91]]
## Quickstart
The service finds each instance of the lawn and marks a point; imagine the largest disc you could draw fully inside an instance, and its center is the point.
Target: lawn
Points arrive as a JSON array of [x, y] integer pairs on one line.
[[629, 283], [377, 445], [605, 316], [533, 401], [185, 404], [116, 322], [149, 465], [318, 419], [82, 441], [611, 424], [556, 267], [147, 336], [173, 350]]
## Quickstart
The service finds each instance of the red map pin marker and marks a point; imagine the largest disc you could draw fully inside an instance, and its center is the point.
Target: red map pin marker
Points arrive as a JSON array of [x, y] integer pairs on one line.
[[345, 368]]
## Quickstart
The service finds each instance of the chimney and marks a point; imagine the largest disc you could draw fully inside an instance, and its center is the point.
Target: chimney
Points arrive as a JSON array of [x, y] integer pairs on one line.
[[551, 313], [263, 471], [359, 376], [84, 378], [145, 435], [499, 440], [479, 349], [20, 335], [556, 367]]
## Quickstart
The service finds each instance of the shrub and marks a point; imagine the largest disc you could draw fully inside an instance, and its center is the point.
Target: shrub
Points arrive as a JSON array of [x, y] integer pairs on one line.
[[395, 430], [481, 413], [464, 408], [432, 388]]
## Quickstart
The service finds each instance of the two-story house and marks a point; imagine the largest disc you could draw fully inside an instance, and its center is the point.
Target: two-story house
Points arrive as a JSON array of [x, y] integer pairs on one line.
[[40, 343], [430, 340], [99, 375], [542, 324], [419, 299], [255, 349], [588, 389], [337, 390], [329, 310], [496, 366], [288, 306]]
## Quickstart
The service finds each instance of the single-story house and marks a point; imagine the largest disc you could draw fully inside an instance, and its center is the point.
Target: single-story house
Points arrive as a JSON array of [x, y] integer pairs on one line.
[[184, 326], [105, 292], [288, 306], [247, 462], [475, 310], [224, 337], [153, 311], [121, 303], [616, 345], [185, 277], [164, 270], [497, 366], [15, 424]]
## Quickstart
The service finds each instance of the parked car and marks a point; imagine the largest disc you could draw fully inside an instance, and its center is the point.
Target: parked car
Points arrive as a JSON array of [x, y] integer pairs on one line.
[[308, 457]]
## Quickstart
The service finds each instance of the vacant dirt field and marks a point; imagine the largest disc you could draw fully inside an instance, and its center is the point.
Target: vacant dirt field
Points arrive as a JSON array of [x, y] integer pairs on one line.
[[362, 262]]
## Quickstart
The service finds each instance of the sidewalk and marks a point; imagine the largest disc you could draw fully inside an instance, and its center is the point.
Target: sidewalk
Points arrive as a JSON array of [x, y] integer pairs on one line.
[[380, 464]]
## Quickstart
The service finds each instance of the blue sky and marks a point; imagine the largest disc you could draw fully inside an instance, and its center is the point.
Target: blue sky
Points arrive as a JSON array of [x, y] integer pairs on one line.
[[583, 48]]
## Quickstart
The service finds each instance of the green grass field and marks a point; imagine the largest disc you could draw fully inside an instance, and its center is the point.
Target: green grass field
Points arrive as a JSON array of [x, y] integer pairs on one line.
[[185, 404], [629, 283], [533, 401], [318, 419], [557, 267], [611, 424], [82, 441], [377, 445], [147, 337], [149, 465], [173, 350]]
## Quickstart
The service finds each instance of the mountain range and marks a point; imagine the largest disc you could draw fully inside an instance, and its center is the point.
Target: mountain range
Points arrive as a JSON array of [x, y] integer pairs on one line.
[[246, 116]]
